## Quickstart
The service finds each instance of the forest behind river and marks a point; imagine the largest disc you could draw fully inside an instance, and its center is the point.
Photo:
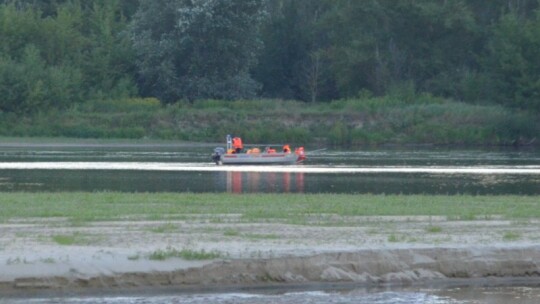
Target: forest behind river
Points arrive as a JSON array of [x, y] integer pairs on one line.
[[341, 72]]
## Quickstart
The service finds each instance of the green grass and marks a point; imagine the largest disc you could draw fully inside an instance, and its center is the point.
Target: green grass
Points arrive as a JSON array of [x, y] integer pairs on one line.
[[289, 208], [186, 254], [73, 239], [392, 238], [64, 239], [511, 236], [362, 121], [434, 229], [231, 232], [165, 228]]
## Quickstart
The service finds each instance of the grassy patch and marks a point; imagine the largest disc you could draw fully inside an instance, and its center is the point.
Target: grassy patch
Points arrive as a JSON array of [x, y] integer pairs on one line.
[[286, 208], [64, 239], [511, 236], [392, 238], [165, 228], [366, 120], [434, 229], [186, 254], [72, 239], [231, 232]]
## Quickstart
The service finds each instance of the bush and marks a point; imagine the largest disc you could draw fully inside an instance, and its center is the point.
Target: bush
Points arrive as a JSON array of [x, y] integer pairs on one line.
[[353, 122], [123, 105], [30, 86], [339, 135]]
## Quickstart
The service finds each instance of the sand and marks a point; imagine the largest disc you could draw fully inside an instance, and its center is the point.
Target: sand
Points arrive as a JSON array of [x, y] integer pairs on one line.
[[55, 255]]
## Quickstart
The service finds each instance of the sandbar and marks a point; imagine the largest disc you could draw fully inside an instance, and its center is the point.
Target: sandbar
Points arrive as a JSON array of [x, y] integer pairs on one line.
[[56, 255]]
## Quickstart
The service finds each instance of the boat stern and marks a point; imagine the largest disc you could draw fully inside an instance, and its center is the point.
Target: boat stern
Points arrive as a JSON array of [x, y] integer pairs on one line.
[[216, 156]]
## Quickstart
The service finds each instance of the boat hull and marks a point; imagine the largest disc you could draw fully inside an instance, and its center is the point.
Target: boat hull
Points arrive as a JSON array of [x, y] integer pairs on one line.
[[260, 158]]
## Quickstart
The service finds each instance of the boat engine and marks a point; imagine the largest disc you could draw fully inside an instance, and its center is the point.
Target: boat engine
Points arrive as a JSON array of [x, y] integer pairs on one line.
[[216, 156]]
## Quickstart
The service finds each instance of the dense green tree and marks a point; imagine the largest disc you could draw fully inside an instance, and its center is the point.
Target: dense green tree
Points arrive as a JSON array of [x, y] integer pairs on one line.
[[380, 44], [32, 75], [336, 49], [109, 62], [291, 65], [514, 61], [72, 46], [197, 49], [28, 84], [58, 52], [50, 7]]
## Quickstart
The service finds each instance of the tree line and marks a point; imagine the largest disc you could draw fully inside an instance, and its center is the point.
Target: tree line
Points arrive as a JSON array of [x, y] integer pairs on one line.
[[56, 53]]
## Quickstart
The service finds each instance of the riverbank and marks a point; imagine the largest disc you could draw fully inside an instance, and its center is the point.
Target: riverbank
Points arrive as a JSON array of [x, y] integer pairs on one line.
[[389, 120], [77, 243]]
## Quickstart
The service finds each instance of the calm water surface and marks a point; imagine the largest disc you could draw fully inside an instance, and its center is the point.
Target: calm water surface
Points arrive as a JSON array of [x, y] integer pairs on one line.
[[183, 169], [462, 295]]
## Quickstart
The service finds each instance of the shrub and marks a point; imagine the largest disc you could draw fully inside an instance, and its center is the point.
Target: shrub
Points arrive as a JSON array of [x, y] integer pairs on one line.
[[339, 135], [124, 105]]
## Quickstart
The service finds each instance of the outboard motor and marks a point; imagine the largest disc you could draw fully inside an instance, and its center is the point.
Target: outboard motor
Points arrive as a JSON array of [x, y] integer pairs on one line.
[[216, 156]]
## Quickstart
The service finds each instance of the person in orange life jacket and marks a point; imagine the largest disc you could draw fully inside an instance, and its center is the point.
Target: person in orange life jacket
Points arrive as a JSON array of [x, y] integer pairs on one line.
[[237, 144], [286, 149], [270, 150]]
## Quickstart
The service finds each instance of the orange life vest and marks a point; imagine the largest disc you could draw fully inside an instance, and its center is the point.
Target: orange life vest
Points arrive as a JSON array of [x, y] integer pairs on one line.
[[237, 143]]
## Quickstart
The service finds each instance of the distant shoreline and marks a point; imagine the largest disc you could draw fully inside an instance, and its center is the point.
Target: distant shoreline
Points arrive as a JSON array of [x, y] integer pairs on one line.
[[67, 142], [64, 142], [362, 122]]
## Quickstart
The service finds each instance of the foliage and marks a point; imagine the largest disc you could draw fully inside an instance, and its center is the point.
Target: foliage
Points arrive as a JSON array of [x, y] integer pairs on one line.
[[351, 122], [327, 50], [291, 65], [514, 61], [29, 84], [197, 49], [374, 71], [68, 54], [121, 105]]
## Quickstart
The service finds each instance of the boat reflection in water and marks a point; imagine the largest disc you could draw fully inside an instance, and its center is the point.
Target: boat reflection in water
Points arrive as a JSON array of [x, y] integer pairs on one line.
[[252, 182]]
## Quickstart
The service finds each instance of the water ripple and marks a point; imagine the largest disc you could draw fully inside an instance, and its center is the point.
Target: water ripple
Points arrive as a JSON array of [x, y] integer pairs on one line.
[[312, 297], [209, 167]]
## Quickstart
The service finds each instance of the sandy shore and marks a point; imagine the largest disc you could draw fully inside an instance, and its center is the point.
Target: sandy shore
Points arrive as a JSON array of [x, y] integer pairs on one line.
[[57, 255]]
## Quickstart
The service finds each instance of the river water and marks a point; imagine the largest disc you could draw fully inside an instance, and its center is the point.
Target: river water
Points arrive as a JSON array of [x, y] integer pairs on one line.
[[452, 295], [180, 168], [186, 169]]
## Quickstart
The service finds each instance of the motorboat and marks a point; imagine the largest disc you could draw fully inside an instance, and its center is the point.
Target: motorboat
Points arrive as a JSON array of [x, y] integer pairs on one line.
[[236, 154]]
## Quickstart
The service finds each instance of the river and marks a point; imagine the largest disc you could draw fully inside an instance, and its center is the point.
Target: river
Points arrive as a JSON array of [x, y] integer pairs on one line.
[[448, 295], [169, 168]]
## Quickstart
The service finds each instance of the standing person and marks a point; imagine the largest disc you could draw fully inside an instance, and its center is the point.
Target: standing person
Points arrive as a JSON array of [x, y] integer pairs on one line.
[[237, 144]]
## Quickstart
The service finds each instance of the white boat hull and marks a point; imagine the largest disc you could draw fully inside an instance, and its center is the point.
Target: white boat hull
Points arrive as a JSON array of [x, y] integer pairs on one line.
[[260, 158], [226, 156]]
